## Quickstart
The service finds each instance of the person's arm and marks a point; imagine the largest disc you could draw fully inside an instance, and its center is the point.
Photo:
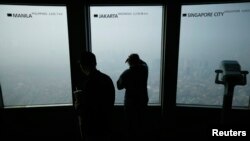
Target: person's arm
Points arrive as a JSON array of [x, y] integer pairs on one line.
[[77, 93], [120, 82]]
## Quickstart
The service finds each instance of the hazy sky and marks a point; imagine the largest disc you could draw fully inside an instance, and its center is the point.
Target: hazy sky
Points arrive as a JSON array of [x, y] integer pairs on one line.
[[133, 29], [34, 42], [225, 35]]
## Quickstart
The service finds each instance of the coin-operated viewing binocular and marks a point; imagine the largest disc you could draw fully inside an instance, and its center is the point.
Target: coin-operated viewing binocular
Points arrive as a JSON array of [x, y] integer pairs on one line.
[[229, 75]]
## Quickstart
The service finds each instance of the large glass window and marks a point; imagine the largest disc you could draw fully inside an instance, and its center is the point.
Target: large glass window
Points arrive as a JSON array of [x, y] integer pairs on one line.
[[34, 55], [117, 31], [209, 34]]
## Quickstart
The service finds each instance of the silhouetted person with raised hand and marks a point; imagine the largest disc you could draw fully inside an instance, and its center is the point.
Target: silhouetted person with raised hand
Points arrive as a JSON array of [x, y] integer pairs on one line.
[[134, 80], [94, 100]]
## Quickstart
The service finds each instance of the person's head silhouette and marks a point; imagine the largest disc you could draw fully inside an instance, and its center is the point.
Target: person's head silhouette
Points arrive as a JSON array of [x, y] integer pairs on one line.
[[87, 62], [133, 59]]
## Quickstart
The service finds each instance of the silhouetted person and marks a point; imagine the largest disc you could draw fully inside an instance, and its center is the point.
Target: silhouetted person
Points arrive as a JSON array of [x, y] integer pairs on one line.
[[134, 80], [94, 100]]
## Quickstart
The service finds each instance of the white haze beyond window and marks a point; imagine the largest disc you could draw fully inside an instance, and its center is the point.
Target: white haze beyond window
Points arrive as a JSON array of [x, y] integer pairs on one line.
[[34, 55], [118, 31], [210, 34]]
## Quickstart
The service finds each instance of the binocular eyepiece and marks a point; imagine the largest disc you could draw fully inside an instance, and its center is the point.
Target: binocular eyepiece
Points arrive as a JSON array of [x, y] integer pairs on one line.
[[230, 73]]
